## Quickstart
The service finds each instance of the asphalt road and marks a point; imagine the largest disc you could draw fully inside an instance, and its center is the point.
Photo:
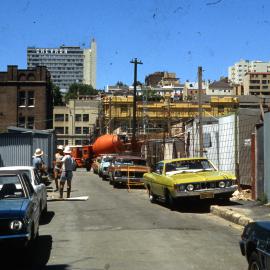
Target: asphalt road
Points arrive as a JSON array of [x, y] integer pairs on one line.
[[120, 230]]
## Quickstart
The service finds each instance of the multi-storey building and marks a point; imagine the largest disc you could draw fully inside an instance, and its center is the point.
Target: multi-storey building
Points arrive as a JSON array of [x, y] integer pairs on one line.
[[67, 64], [191, 89], [26, 98], [220, 88], [257, 83], [158, 116], [75, 123], [162, 79], [89, 65], [237, 72]]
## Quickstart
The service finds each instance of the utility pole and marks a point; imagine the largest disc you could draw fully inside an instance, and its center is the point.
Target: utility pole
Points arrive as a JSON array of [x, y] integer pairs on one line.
[[134, 122], [200, 110], [110, 115]]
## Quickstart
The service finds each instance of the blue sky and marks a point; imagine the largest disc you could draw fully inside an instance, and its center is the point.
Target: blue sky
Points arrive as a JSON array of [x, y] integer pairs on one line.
[[166, 35]]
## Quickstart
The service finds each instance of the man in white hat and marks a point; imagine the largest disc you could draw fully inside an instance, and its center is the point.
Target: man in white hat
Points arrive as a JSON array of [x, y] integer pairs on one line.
[[66, 175], [38, 162], [58, 164]]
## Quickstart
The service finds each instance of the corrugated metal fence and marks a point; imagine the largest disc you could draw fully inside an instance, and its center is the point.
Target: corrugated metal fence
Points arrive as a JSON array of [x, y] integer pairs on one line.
[[18, 146]]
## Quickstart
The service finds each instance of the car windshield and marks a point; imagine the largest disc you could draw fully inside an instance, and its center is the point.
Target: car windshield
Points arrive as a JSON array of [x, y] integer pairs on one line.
[[107, 159], [10, 187], [28, 173], [188, 165], [139, 162]]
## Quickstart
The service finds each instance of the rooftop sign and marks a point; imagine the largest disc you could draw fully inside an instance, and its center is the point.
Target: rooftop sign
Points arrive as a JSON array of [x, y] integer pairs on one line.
[[53, 51]]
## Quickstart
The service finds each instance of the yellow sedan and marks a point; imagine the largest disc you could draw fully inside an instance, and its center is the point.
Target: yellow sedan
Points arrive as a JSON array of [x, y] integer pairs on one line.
[[188, 177]]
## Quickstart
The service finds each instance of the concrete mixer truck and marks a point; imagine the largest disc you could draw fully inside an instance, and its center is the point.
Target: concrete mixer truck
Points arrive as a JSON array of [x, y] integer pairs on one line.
[[105, 144]]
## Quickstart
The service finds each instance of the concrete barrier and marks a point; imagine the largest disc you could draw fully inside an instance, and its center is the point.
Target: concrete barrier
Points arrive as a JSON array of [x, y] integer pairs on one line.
[[230, 215]]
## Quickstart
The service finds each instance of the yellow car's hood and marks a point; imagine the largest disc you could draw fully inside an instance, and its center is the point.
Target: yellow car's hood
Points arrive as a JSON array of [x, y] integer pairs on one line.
[[202, 176]]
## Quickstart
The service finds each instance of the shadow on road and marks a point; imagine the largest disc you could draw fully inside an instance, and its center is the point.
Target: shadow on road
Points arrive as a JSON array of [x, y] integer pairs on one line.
[[34, 258], [46, 218], [199, 206]]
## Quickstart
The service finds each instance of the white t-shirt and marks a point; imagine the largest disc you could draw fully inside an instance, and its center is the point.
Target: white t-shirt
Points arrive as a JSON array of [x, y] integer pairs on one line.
[[67, 163]]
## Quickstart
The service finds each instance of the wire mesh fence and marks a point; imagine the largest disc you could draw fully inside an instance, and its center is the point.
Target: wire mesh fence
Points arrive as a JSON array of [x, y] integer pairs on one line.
[[226, 142]]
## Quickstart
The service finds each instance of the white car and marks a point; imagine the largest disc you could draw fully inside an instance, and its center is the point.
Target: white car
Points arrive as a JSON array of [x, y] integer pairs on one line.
[[37, 184]]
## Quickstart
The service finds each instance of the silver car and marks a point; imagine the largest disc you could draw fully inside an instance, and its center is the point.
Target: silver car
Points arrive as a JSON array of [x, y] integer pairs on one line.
[[37, 184]]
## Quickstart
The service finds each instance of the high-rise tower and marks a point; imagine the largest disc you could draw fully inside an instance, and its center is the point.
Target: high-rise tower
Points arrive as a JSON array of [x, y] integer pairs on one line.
[[89, 66]]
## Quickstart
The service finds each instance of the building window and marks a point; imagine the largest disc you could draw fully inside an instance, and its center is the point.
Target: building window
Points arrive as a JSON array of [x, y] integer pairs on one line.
[[66, 117], [254, 81], [59, 130], [59, 117], [265, 87], [22, 98], [85, 142], [221, 109], [85, 117], [264, 81], [85, 130], [124, 109], [31, 99], [78, 142], [78, 130], [207, 142], [30, 122], [60, 142], [254, 87], [78, 117], [264, 75], [21, 122], [66, 130]]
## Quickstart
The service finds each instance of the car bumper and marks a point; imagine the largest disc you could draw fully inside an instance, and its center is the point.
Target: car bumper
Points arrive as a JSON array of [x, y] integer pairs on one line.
[[125, 180], [19, 240], [211, 191]]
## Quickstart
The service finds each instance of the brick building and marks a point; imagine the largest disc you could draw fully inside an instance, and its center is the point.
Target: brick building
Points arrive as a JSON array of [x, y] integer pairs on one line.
[[26, 98]]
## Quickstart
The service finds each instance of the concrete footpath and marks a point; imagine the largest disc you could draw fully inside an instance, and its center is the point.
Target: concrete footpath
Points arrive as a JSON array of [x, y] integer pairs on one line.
[[242, 212]]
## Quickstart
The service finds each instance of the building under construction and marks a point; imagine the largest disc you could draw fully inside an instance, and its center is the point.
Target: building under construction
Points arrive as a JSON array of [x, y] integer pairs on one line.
[[158, 117]]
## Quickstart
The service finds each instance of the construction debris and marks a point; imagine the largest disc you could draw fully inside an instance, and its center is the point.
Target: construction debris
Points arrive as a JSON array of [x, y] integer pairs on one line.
[[242, 195]]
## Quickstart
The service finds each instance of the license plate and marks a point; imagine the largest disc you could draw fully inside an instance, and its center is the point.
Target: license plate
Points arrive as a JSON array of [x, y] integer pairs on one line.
[[207, 195]]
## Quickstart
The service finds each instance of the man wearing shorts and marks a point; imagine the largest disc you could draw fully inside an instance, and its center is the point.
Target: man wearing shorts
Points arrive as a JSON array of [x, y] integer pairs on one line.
[[66, 174], [58, 165]]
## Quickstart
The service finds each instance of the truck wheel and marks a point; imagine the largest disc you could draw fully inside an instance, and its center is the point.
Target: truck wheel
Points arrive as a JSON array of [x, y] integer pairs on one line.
[[254, 262]]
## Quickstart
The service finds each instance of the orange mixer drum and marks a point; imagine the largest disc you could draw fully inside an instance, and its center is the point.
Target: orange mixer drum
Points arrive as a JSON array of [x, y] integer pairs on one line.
[[107, 144]]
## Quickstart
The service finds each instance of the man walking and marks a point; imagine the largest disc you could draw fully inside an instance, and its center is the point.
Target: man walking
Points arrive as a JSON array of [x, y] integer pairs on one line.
[[66, 175]]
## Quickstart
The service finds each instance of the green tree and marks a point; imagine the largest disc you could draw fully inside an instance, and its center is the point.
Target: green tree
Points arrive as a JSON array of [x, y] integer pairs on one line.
[[121, 84], [57, 96], [76, 89]]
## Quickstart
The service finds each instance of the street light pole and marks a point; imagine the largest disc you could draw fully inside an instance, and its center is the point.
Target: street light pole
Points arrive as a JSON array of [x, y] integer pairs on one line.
[[134, 122]]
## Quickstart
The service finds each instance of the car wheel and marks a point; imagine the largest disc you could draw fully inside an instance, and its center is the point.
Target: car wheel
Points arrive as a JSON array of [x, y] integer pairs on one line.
[[115, 185], [151, 195], [170, 201], [254, 262], [87, 169]]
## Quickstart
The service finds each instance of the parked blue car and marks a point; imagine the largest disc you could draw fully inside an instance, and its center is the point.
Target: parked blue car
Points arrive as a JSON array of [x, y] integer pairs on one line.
[[255, 245], [19, 209]]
